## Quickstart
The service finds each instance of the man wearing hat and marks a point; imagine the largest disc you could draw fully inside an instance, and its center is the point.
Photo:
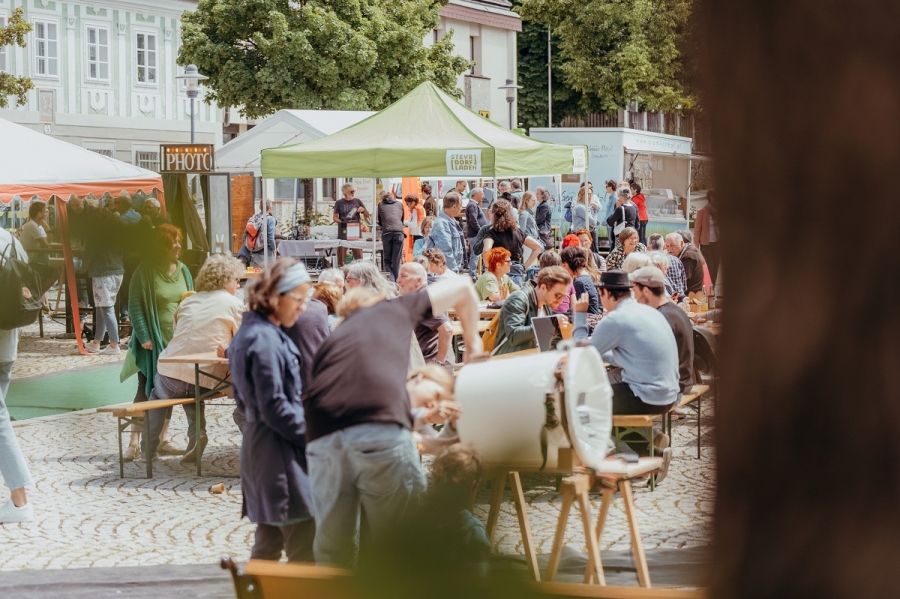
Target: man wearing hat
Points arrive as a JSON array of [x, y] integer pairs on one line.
[[650, 290], [638, 341]]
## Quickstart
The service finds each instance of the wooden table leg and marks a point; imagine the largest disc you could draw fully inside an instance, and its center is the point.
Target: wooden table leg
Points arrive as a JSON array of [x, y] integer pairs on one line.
[[198, 451], [640, 559], [595, 565], [494, 512], [515, 483], [567, 497]]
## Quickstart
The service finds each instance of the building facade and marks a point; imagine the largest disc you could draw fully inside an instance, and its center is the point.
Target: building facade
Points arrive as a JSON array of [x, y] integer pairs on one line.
[[104, 76], [486, 32]]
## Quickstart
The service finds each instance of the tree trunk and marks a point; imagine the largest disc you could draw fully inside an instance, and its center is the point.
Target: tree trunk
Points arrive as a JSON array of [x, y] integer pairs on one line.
[[804, 101], [309, 196]]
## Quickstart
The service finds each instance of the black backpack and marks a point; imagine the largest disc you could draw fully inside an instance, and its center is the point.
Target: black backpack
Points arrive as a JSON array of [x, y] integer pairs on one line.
[[20, 290]]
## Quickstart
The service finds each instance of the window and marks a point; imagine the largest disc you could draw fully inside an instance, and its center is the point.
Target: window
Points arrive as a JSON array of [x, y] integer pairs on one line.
[[46, 49], [107, 153], [146, 58], [147, 160], [97, 53], [3, 66]]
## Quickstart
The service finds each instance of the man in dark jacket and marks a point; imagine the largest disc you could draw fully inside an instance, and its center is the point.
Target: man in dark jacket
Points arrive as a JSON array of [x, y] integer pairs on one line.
[[308, 333], [690, 257], [543, 217], [475, 219], [390, 218]]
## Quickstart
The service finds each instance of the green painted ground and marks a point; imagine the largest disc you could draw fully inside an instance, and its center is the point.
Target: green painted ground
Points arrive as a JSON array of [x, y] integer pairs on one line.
[[69, 391]]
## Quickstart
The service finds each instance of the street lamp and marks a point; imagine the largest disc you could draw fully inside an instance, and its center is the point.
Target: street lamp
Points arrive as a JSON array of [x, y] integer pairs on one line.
[[193, 78], [511, 89]]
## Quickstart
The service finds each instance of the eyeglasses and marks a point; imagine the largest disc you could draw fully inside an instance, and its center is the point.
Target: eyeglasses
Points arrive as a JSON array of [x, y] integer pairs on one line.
[[349, 278], [509, 261], [301, 299]]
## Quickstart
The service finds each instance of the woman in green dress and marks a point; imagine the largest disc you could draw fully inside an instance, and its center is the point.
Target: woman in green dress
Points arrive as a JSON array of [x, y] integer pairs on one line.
[[157, 286]]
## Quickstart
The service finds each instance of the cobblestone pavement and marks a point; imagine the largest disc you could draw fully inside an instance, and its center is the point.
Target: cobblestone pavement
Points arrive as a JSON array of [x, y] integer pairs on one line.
[[86, 516]]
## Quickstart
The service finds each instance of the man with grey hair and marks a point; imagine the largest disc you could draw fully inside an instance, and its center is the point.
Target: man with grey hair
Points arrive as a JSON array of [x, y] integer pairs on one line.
[[332, 275], [446, 234], [434, 333], [348, 210], [676, 279], [517, 190], [152, 210], [475, 219], [691, 259]]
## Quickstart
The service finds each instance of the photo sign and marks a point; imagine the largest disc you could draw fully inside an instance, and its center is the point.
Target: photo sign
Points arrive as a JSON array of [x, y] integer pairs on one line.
[[187, 158], [464, 163]]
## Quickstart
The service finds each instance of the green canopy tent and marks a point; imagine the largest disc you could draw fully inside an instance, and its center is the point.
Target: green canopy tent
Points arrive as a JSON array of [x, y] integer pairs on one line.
[[426, 133]]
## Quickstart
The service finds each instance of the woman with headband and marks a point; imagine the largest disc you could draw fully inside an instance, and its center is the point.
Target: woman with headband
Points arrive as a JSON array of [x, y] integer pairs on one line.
[[265, 372]]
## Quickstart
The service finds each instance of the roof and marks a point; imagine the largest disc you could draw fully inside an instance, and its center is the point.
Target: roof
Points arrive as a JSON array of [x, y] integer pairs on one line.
[[35, 164], [426, 133], [282, 128]]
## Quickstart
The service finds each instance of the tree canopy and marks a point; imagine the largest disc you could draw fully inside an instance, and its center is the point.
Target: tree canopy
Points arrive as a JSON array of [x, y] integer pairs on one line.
[[14, 33], [614, 52], [265, 55]]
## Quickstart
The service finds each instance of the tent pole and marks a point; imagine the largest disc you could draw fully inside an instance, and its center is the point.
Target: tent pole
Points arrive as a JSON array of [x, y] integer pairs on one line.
[[72, 295], [265, 215]]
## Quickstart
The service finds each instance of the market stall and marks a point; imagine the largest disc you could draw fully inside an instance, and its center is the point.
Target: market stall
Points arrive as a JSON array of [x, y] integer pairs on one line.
[[427, 133], [37, 166], [661, 164]]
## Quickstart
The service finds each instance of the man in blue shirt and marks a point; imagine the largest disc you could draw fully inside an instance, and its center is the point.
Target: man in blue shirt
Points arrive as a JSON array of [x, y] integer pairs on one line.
[[638, 341], [446, 234]]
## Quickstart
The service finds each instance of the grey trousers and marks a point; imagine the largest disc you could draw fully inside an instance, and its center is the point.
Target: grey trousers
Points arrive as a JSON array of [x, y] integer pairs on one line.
[[166, 388]]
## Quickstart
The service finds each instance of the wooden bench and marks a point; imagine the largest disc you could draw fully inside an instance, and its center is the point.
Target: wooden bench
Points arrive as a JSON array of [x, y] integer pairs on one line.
[[134, 413], [643, 424], [262, 579]]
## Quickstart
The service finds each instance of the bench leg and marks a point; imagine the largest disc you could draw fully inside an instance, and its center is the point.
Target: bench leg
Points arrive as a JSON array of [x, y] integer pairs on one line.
[[147, 457], [121, 454], [589, 576], [494, 512], [699, 413], [640, 559], [567, 498]]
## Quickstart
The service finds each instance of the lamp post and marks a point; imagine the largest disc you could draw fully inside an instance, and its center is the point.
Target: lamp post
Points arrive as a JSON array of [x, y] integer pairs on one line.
[[511, 89], [193, 78]]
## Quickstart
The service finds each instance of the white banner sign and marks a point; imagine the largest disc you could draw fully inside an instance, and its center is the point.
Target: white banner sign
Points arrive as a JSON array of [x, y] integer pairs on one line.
[[579, 160], [464, 163]]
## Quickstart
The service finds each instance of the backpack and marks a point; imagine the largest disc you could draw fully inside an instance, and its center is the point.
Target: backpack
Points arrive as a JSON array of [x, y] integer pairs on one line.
[[568, 214], [254, 226], [489, 337], [20, 290]]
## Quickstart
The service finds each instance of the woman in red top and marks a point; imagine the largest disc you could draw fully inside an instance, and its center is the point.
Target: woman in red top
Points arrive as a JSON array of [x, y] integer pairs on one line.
[[641, 202]]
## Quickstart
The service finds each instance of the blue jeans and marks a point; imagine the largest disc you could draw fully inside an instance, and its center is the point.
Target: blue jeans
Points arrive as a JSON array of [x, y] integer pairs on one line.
[[166, 388], [370, 467], [12, 462], [473, 259]]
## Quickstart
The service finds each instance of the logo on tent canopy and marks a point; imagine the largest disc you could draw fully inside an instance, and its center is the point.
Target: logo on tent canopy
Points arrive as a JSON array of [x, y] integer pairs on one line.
[[463, 162]]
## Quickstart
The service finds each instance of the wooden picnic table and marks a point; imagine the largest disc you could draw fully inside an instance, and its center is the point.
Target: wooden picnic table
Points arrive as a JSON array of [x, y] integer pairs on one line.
[[458, 331], [483, 313], [198, 360]]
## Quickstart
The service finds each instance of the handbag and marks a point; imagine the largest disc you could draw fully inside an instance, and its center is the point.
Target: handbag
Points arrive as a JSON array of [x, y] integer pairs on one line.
[[621, 226]]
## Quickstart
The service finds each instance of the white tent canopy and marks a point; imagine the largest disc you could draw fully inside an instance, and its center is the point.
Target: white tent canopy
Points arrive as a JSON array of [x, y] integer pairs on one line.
[[285, 127], [34, 164]]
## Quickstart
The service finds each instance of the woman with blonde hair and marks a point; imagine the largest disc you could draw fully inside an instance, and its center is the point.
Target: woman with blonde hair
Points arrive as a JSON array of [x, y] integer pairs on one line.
[[526, 215], [329, 294], [419, 245]]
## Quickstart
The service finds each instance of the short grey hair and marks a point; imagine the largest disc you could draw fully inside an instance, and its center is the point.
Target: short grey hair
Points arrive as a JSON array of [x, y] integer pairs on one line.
[[660, 260], [331, 275], [516, 184], [370, 277], [345, 187], [656, 243], [417, 270], [634, 261], [686, 235], [502, 184], [152, 202], [477, 190], [625, 193], [542, 192]]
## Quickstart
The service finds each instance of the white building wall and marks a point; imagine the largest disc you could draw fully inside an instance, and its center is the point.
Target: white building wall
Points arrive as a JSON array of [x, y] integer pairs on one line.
[[118, 113]]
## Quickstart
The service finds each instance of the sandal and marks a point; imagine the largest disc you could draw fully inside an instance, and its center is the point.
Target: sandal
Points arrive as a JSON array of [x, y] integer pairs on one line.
[[131, 453], [169, 448]]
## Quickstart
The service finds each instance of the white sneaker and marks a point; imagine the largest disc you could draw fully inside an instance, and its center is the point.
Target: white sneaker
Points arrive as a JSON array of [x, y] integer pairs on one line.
[[110, 351], [92, 348], [10, 514]]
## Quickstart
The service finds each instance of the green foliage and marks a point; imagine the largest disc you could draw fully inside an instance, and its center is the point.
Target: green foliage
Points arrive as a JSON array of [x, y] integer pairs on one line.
[[617, 51], [14, 33], [265, 55]]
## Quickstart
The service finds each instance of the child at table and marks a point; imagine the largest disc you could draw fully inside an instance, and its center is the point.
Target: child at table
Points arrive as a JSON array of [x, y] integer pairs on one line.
[[430, 390]]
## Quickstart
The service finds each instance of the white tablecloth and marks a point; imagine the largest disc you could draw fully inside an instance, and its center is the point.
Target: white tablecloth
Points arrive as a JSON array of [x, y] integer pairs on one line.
[[297, 248]]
